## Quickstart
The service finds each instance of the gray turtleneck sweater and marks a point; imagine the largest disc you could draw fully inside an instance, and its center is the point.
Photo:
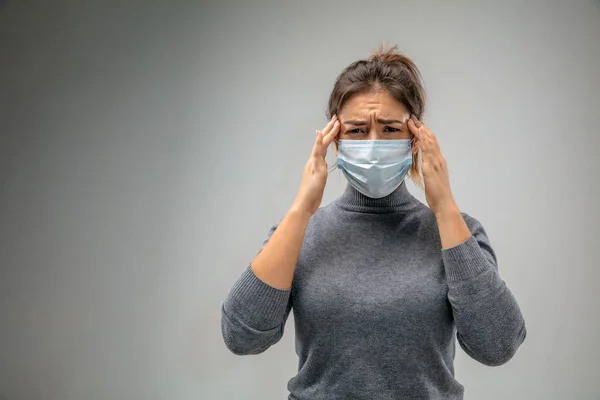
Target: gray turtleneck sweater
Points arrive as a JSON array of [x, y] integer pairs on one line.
[[377, 303]]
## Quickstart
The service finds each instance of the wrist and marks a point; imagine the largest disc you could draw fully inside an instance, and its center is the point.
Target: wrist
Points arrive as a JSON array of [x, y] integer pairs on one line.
[[448, 210]]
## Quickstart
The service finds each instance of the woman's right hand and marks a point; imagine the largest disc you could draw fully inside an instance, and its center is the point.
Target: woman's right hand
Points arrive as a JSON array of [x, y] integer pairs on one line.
[[310, 194]]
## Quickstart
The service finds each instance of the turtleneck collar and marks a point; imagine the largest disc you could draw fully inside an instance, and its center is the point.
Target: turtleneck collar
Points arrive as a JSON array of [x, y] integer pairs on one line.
[[399, 200]]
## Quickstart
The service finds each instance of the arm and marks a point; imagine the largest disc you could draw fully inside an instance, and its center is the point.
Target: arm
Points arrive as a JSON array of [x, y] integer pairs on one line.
[[490, 326], [254, 314], [276, 263]]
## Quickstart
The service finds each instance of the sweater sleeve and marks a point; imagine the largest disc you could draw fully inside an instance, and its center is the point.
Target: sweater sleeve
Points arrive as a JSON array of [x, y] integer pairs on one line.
[[489, 323], [253, 314]]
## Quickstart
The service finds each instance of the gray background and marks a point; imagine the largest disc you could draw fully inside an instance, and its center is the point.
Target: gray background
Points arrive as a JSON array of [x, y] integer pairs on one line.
[[147, 147]]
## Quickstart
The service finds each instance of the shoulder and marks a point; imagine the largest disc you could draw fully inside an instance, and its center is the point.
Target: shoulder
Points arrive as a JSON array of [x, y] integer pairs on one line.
[[424, 223], [324, 219], [324, 212]]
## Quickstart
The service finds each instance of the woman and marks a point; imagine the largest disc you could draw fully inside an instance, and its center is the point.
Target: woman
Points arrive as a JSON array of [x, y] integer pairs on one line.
[[378, 281]]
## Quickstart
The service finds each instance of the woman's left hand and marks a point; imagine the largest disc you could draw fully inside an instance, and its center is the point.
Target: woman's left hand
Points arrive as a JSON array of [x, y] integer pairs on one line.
[[434, 169]]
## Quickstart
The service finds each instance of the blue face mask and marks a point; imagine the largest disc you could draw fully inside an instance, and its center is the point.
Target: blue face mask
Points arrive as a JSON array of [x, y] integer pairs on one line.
[[375, 167]]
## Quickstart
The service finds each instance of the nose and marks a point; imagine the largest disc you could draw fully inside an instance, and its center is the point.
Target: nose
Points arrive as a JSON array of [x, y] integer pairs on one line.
[[373, 133]]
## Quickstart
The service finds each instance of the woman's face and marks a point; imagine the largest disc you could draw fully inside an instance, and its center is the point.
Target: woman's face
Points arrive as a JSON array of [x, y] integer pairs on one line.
[[373, 116]]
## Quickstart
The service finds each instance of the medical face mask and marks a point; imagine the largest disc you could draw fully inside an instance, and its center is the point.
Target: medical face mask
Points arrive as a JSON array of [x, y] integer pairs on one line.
[[375, 167]]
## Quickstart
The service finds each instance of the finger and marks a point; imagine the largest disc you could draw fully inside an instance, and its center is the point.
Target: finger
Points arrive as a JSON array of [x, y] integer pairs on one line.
[[420, 125], [414, 129], [317, 150], [425, 137], [329, 125], [423, 140], [431, 135], [423, 128], [416, 121], [329, 137]]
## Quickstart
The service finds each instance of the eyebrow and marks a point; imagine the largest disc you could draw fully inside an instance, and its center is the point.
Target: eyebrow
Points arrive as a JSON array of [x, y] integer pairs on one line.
[[381, 121]]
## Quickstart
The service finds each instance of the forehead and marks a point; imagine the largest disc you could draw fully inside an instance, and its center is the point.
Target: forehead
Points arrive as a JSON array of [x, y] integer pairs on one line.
[[380, 102]]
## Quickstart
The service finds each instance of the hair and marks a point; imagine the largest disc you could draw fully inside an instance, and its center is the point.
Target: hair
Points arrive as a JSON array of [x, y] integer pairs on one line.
[[385, 70]]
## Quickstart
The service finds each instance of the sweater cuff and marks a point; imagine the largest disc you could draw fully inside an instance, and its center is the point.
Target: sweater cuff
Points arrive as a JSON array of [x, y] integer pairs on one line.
[[262, 304], [464, 261]]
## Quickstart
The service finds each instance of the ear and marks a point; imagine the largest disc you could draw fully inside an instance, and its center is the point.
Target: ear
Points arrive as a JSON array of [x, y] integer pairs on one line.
[[335, 146]]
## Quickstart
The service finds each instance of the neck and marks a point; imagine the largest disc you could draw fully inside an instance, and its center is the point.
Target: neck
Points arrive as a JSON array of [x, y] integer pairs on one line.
[[397, 201]]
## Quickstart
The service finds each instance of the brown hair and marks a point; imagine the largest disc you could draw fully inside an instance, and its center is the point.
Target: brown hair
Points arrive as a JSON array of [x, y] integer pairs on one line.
[[389, 70]]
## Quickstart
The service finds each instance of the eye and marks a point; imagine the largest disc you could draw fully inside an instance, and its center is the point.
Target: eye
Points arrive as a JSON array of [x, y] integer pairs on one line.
[[357, 130], [392, 129]]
